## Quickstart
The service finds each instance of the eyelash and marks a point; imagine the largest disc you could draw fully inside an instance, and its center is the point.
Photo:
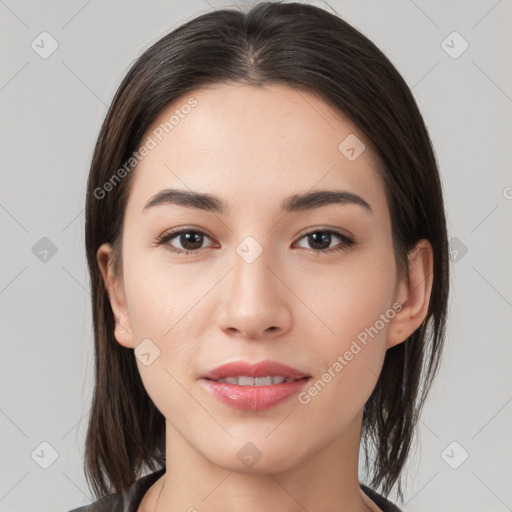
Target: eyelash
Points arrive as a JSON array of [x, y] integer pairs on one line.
[[345, 244]]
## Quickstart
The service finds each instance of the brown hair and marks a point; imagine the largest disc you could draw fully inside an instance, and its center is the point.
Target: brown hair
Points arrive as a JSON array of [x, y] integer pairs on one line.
[[304, 47]]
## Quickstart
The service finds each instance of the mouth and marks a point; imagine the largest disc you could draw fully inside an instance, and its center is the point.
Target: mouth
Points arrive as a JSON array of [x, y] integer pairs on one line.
[[254, 387], [245, 380], [244, 371]]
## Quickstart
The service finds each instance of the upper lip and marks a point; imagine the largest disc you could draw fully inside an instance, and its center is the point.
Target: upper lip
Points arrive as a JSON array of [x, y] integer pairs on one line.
[[261, 369]]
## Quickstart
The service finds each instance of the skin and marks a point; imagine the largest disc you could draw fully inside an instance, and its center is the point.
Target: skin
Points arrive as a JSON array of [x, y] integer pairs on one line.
[[253, 147]]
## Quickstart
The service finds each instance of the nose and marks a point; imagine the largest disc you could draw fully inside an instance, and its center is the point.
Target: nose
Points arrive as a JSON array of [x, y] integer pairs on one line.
[[255, 303]]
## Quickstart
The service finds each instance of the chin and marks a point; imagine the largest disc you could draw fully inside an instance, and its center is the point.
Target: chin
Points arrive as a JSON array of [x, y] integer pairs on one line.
[[258, 457]]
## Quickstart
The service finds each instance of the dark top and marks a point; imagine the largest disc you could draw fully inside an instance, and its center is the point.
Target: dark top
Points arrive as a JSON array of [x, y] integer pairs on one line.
[[129, 500]]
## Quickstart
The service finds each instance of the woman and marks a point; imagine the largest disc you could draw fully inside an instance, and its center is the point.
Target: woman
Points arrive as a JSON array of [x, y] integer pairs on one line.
[[266, 240]]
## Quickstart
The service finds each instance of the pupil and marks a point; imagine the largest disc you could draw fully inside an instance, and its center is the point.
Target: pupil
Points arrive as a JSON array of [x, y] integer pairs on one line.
[[188, 238], [324, 238]]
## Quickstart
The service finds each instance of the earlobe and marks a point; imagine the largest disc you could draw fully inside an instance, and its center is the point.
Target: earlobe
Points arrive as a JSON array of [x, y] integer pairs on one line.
[[115, 292], [414, 296]]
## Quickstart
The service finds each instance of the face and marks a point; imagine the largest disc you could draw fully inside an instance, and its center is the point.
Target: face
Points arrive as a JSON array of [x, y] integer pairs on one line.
[[311, 286]]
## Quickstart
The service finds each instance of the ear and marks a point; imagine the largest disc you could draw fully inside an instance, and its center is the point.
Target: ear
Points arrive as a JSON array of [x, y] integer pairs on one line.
[[115, 290], [414, 296]]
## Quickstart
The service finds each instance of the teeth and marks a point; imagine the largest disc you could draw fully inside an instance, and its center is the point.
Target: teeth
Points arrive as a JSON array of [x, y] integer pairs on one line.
[[263, 381], [244, 380]]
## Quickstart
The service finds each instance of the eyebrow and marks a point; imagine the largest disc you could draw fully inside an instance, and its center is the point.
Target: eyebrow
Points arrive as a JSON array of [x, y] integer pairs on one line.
[[294, 203]]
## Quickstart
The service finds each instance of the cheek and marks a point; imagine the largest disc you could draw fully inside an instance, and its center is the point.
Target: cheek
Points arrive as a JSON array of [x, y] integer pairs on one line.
[[353, 304], [348, 297], [161, 297], [165, 307]]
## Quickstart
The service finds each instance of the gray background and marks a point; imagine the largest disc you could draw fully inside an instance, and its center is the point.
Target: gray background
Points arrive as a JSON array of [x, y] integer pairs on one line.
[[51, 111]]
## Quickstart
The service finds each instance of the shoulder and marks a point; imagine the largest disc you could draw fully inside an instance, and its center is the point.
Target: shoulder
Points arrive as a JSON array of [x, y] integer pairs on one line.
[[111, 503], [383, 503], [127, 501]]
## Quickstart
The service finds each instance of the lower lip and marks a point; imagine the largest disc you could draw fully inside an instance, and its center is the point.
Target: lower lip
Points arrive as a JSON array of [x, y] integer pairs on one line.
[[254, 398]]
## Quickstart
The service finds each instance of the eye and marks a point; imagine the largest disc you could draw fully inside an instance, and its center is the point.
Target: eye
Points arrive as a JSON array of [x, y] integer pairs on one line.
[[321, 239], [191, 240]]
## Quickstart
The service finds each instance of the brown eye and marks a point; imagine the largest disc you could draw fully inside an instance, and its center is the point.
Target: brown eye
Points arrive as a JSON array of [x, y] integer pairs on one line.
[[190, 241], [321, 239]]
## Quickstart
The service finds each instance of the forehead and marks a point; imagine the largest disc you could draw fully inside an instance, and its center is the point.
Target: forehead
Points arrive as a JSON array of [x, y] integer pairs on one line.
[[257, 143]]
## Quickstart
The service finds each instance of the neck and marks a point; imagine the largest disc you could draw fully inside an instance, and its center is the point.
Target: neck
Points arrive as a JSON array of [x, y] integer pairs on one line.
[[326, 479]]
